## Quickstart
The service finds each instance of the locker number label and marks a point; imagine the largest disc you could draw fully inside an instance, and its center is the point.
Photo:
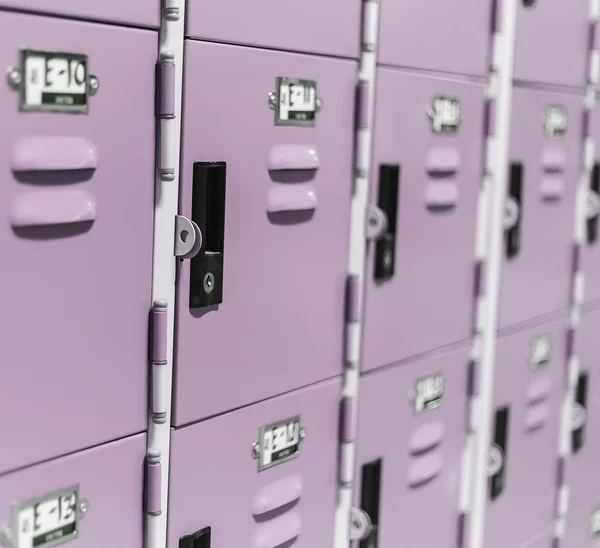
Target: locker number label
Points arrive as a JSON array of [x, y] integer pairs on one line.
[[445, 114], [555, 121], [278, 442], [48, 520], [296, 102], [428, 393], [540, 352], [54, 81]]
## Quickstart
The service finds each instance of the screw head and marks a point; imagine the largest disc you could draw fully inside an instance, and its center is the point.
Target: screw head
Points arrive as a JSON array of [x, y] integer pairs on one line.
[[209, 282], [84, 506], [319, 104], [14, 78], [93, 85], [255, 450], [302, 433]]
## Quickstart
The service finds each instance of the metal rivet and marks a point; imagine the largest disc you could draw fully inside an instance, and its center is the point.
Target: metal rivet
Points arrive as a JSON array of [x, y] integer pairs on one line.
[[302, 433], [83, 507], [319, 104], [255, 450], [6, 536], [209, 282], [93, 85], [272, 100], [14, 78]]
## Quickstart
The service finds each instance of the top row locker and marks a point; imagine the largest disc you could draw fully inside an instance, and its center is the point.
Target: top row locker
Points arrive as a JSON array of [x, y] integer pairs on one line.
[[144, 13]]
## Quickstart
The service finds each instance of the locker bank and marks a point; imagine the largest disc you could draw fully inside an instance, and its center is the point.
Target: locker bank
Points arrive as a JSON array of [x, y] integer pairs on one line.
[[299, 275]]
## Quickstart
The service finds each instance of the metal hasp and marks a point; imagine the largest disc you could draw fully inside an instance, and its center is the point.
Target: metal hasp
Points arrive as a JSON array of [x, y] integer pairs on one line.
[[52, 81], [188, 238], [45, 521]]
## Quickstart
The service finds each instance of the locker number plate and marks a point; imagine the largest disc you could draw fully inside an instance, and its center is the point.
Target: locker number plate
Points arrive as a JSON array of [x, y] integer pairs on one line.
[[555, 121], [48, 520], [296, 102], [445, 114], [55, 82], [428, 393], [541, 352], [595, 524], [278, 442]]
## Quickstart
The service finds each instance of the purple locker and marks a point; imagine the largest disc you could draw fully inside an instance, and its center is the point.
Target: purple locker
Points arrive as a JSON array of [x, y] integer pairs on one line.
[[591, 245], [330, 28], [529, 388], [551, 42], [286, 196], [77, 202], [544, 539], [129, 12], [585, 436], [427, 172], [583, 526], [545, 167], [425, 35], [94, 496], [412, 427], [234, 484]]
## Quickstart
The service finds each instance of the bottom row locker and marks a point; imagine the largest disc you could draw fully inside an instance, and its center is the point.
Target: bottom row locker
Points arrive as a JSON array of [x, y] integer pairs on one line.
[[529, 389], [412, 428], [264, 476], [94, 495]]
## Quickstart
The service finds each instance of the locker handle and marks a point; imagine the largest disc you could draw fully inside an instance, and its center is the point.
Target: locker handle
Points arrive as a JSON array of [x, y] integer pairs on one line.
[[552, 187], [500, 441], [579, 413], [277, 495], [54, 154], [208, 214], [53, 207], [441, 195], [387, 202], [292, 198], [593, 205], [514, 206], [370, 500], [293, 158]]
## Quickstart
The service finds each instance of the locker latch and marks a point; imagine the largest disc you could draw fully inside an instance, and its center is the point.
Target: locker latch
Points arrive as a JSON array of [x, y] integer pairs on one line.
[[360, 524], [188, 238]]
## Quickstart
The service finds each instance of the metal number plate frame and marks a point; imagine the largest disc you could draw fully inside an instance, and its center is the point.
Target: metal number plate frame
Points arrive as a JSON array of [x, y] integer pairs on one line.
[[258, 451], [428, 405], [80, 510], [76, 109], [549, 116], [286, 80], [445, 125], [535, 362]]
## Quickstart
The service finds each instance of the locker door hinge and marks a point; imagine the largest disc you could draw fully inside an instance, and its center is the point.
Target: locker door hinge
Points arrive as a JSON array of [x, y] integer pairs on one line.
[[489, 119], [152, 494], [170, 11], [463, 530], [363, 93], [480, 279], [347, 423], [165, 110], [352, 315], [158, 361]]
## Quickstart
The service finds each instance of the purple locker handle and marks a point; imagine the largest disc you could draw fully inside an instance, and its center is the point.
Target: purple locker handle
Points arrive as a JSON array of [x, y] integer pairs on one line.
[[441, 195], [442, 160], [278, 531], [554, 160], [537, 417], [292, 198], [424, 470], [53, 207], [54, 154], [426, 437], [293, 157], [276, 495], [552, 187]]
